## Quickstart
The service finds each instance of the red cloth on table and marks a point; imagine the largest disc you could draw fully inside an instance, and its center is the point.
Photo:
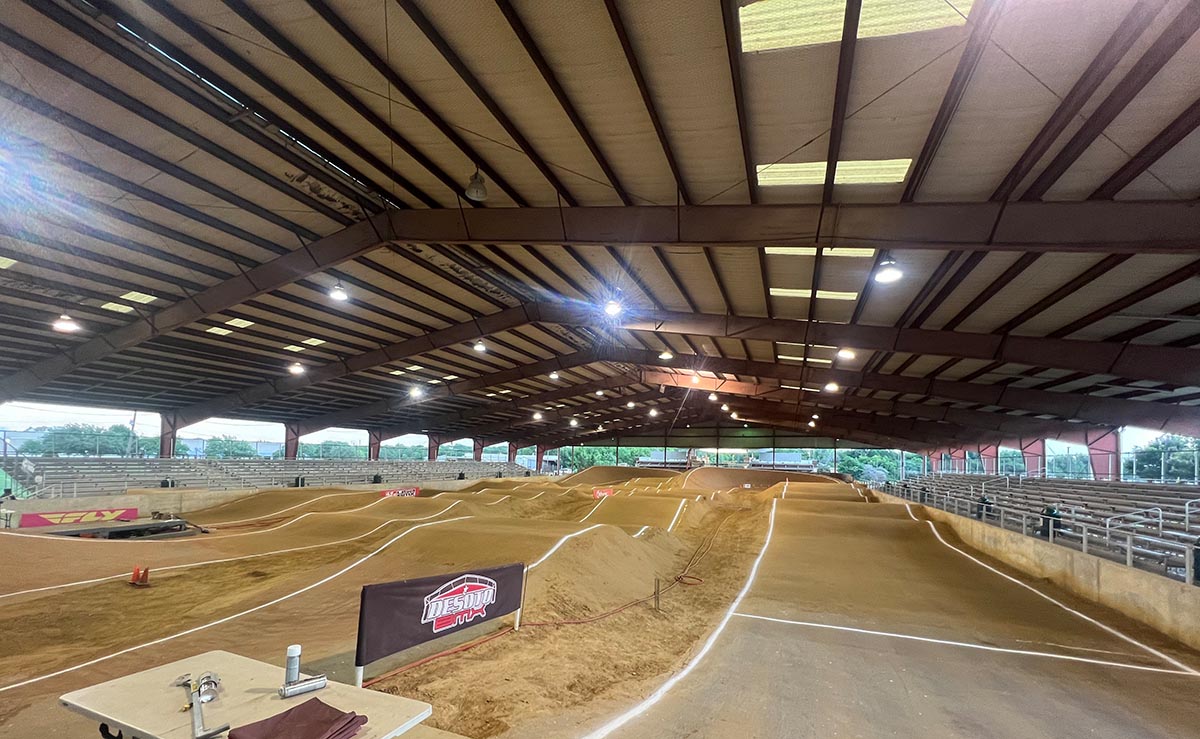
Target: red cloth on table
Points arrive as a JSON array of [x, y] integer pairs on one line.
[[312, 719]]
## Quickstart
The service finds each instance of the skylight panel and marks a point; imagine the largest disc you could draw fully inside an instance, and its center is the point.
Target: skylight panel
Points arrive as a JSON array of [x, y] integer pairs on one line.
[[5, 262], [218, 331], [117, 308], [313, 342], [783, 24], [791, 292], [853, 172], [137, 297], [239, 323], [811, 251], [294, 348]]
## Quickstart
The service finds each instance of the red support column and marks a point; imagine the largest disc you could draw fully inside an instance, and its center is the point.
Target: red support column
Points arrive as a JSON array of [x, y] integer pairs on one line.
[[374, 442], [990, 454], [1034, 452], [168, 427], [477, 451], [291, 440], [512, 452], [935, 461], [1104, 453], [435, 443], [541, 457]]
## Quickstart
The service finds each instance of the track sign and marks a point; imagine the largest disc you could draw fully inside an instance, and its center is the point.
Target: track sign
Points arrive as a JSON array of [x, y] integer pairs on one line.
[[397, 615], [400, 493], [55, 518], [598, 493]]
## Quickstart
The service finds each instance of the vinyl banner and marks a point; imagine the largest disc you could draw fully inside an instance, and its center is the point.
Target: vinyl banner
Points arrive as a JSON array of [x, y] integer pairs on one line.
[[598, 493], [55, 518], [400, 493], [397, 615]]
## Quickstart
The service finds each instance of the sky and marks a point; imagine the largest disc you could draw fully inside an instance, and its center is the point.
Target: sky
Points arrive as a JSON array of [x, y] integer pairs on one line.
[[20, 416]]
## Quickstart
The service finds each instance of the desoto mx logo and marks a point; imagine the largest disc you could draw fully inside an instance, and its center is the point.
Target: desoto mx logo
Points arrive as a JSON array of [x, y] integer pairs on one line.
[[459, 601]]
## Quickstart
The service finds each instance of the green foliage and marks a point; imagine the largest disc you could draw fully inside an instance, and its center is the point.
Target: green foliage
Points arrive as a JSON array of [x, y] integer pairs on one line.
[[227, 447], [1146, 462], [87, 440]]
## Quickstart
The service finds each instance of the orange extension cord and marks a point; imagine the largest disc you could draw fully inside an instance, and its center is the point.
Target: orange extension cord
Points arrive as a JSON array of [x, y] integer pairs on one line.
[[683, 578]]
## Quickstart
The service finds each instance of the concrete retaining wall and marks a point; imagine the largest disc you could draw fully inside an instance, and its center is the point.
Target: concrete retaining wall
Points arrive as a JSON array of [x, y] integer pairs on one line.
[[1167, 605]]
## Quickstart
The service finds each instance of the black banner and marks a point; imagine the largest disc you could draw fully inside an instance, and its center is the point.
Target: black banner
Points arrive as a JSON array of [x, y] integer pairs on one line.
[[394, 616]]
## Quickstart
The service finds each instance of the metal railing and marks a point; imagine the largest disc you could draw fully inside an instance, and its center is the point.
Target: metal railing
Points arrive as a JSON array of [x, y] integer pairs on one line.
[[1135, 518], [1187, 513], [1162, 556]]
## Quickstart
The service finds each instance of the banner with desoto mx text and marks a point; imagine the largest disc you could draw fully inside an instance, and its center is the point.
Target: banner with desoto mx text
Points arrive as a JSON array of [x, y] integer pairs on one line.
[[397, 615]]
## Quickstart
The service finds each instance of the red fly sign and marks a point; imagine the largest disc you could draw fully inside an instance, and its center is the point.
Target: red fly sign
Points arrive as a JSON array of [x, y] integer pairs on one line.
[[598, 493], [401, 493]]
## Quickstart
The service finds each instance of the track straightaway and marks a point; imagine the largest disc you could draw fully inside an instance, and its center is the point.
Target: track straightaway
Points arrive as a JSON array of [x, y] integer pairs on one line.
[[861, 622]]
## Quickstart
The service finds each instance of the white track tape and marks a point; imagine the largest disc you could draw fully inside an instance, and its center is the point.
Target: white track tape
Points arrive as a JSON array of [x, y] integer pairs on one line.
[[494, 502], [1068, 609], [641, 531], [561, 541], [675, 520], [657, 695], [538, 495], [589, 513], [234, 616], [910, 513], [185, 566], [785, 484], [967, 645]]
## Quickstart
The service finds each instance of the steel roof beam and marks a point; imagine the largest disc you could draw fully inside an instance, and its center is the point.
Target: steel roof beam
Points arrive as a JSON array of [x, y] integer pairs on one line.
[[1181, 28]]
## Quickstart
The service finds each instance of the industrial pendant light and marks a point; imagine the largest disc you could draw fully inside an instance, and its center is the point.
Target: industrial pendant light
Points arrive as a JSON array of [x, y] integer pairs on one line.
[[476, 188]]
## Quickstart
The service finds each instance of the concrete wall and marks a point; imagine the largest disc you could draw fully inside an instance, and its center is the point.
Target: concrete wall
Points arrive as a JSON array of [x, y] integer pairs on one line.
[[1167, 605]]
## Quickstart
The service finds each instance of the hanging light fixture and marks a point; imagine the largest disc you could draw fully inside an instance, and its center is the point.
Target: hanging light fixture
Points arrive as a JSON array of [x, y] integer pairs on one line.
[[574, 422], [666, 355], [831, 387], [537, 416], [887, 272], [815, 416], [653, 412], [476, 188], [65, 324], [480, 346], [846, 354], [296, 368], [612, 308], [712, 397], [812, 424], [599, 393], [733, 415], [338, 293], [724, 406], [415, 392], [629, 404], [553, 375]]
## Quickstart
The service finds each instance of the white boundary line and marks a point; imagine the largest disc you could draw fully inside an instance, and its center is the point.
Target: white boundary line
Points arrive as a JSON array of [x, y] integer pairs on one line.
[[968, 645], [657, 695], [589, 513], [675, 520], [240, 558], [561, 541], [641, 531], [494, 502], [910, 513], [234, 616], [289, 508], [1065, 607]]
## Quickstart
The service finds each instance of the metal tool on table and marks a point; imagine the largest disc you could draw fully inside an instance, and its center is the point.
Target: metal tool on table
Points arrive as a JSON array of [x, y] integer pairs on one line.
[[201, 690], [292, 682]]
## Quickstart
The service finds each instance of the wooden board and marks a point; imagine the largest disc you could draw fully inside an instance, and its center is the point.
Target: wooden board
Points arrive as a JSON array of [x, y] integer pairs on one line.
[[147, 704]]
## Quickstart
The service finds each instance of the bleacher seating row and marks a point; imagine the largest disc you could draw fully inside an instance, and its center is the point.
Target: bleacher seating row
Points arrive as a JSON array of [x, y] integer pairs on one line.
[[71, 476]]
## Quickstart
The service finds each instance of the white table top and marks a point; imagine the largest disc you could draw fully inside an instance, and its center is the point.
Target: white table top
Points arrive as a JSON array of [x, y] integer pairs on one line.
[[147, 704]]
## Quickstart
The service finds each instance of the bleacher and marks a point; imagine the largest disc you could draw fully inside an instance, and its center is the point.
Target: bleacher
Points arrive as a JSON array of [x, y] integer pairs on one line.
[[74, 476], [1160, 521]]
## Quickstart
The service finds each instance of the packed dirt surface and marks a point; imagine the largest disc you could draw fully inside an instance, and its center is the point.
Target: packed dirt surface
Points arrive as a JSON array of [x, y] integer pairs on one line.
[[860, 622], [286, 566]]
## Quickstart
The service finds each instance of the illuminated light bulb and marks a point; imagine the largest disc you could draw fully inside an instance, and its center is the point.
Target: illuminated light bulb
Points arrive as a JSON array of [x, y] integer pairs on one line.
[[416, 392], [537, 416], [296, 368], [629, 404], [553, 375], [724, 406], [666, 355], [846, 354], [574, 422], [612, 308], [831, 387], [65, 324], [653, 412], [480, 346], [338, 293]]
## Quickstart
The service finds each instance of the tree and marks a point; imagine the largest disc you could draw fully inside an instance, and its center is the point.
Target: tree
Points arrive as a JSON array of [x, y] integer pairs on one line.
[[228, 447], [1179, 452]]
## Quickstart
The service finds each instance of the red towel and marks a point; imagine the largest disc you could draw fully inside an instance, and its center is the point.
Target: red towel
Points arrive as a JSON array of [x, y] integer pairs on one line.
[[309, 720]]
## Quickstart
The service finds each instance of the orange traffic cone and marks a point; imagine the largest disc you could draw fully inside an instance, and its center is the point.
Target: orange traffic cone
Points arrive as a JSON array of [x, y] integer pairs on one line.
[[140, 577]]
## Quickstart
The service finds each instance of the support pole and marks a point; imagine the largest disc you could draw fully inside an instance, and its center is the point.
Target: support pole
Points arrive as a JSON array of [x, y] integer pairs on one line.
[[166, 435], [291, 440], [374, 442], [358, 676]]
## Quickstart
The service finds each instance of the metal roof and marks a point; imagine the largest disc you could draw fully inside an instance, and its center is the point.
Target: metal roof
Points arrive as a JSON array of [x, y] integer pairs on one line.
[[235, 159]]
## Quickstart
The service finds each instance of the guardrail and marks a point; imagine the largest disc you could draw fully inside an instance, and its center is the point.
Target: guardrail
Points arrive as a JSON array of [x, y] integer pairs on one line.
[[1141, 551], [1135, 518]]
